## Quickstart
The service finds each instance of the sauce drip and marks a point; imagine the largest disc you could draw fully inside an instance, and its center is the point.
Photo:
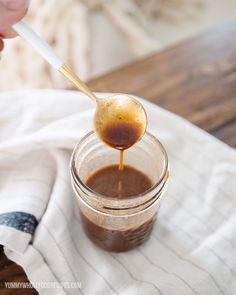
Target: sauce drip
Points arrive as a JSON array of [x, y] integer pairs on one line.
[[121, 136]]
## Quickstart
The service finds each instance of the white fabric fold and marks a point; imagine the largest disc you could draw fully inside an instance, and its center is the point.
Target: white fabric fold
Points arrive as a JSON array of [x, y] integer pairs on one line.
[[193, 246]]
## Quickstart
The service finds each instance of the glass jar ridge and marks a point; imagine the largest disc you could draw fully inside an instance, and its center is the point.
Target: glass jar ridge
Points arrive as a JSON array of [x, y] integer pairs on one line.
[[148, 155]]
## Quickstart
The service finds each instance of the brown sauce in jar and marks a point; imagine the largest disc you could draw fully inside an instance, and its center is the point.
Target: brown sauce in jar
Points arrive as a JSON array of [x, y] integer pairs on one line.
[[110, 181], [119, 182], [117, 240]]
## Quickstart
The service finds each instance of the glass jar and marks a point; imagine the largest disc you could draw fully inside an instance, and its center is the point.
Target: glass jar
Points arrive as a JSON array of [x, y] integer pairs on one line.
[[119, 224]]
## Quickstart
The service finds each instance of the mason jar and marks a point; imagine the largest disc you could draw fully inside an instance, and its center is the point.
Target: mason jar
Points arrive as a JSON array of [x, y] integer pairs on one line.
[[119, 224]]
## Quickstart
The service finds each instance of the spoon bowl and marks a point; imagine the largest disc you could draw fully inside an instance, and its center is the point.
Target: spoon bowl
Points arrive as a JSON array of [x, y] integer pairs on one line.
[[119, 120]]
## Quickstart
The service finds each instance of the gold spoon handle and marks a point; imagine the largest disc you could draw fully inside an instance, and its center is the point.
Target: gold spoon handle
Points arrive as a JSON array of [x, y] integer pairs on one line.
[[69, 74], [49, 55]]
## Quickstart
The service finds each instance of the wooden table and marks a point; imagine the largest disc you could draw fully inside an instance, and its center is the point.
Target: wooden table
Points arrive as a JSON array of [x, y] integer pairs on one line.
[[195, 79]]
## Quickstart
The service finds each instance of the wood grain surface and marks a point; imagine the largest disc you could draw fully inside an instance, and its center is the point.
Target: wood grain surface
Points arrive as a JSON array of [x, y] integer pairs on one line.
[[195, 79]]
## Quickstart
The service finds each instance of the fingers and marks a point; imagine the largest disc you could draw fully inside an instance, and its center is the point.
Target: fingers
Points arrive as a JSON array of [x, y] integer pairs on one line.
[[15, 4], [1, 45], [8, 33], [11, 11]]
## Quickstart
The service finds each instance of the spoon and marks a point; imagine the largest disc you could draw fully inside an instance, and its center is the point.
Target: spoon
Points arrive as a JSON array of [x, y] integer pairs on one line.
[[119, 120]]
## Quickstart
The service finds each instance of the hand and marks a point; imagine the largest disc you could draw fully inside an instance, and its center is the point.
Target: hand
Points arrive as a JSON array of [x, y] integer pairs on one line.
[[11, 11]]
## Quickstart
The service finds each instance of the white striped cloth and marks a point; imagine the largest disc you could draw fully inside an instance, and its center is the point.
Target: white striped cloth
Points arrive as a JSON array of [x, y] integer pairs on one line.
[[192, 249]]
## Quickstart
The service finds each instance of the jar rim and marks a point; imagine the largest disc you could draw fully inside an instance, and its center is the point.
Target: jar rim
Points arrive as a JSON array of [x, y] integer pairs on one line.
[[124, 202]]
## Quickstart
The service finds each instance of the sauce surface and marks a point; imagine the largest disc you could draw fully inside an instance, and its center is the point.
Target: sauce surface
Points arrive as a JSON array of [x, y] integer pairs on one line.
[[115, 183]]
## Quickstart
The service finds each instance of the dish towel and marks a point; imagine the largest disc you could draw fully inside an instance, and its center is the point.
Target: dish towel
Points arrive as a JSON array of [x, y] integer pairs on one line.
[[192, 249]]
